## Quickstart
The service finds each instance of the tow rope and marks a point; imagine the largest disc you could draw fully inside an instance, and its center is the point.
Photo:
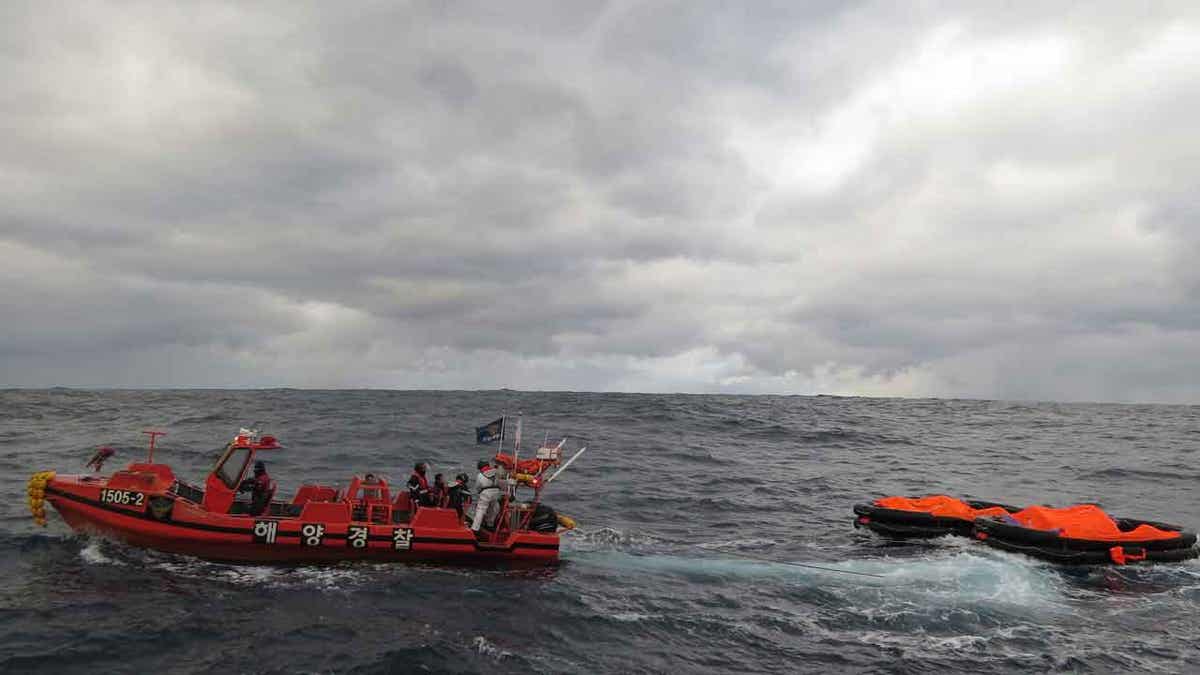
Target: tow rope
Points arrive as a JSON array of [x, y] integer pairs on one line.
[[36, 490], [793, 564], [789, 563]]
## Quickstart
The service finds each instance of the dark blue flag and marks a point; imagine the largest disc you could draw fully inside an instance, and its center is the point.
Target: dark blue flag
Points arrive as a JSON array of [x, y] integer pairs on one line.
[[490, 432]]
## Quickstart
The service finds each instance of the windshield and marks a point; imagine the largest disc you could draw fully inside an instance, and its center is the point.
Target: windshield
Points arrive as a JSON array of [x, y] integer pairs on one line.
[[231, 468]]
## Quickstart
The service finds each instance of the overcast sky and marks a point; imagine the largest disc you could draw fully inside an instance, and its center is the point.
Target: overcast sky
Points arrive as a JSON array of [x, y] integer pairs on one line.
[[994, 200]]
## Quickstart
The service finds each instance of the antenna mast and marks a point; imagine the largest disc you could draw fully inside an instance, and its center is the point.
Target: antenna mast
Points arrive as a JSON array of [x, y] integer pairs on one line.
[[153, 437]]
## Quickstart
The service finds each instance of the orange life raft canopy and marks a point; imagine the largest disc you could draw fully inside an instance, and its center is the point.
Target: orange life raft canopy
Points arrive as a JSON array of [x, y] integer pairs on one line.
[[928, 516], [1084, 534], [1075, 535]]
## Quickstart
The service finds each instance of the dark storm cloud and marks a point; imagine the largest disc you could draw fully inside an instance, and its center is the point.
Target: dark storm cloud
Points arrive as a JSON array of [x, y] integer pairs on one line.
[[843, 197]]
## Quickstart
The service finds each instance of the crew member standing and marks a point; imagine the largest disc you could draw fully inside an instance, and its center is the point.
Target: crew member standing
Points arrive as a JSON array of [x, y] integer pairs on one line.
[[418, 486], [487, 495], [438, 493], [458, 494]]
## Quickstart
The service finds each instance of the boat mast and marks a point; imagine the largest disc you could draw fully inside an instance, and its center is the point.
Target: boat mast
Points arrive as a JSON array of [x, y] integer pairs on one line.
[[153, 437], [510, 509]]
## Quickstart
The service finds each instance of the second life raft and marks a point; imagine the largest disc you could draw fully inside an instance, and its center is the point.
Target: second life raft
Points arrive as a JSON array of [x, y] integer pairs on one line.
[[1085, 535]]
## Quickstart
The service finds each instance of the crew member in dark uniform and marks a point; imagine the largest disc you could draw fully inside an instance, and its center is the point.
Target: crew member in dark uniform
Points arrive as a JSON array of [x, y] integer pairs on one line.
[[439, 490], [259, 488], [418, 486], [458, 494]]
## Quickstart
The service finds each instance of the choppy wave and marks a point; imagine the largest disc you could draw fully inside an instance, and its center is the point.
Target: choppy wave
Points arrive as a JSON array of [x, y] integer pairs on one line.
[[1143, 475], [714, 536]]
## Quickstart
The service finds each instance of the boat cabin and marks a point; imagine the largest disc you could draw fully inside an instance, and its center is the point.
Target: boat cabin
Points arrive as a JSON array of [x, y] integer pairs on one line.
[[367, 499], [221, 487]]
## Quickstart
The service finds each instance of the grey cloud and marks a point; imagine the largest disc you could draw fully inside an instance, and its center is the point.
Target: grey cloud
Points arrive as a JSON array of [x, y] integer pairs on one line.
[[794, 197]]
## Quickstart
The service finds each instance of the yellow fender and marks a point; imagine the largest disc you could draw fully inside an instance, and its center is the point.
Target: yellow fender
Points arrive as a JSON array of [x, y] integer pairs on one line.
[[36, 489], [566, 522]]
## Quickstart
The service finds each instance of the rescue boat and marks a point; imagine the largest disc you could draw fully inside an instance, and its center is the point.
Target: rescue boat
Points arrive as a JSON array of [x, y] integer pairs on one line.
[[1085, 535], [924, 517], [147, 505]]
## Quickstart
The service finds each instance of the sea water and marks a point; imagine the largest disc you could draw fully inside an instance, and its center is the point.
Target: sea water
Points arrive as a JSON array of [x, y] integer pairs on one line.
[[673, 492]]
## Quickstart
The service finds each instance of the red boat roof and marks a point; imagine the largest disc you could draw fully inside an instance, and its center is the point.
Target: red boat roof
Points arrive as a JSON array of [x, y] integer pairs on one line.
[[263, 443]]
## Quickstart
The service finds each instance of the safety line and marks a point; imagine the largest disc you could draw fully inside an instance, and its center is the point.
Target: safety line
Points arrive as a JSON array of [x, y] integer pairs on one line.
[[793, 564]]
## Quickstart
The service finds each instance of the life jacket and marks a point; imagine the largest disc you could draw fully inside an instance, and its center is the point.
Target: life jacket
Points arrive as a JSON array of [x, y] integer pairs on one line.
[[261, 493], [438, 493], [486, 480], [418, 487]]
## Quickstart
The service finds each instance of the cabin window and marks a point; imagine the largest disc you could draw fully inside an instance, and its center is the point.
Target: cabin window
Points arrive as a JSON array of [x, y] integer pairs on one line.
[[230, 470]]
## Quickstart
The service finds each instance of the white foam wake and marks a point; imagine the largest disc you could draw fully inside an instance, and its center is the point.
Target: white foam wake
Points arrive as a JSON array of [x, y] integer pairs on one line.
[[93, 555]]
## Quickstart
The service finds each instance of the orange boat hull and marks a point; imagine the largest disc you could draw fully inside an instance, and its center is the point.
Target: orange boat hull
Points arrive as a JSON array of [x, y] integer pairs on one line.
[[432, 535]]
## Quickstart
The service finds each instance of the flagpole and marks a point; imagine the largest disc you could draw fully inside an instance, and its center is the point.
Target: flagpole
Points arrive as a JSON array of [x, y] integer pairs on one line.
[[512, 481], [517, 436]]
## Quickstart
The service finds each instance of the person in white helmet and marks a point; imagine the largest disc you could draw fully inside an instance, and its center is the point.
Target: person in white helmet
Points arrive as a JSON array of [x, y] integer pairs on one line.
[[487, 495]]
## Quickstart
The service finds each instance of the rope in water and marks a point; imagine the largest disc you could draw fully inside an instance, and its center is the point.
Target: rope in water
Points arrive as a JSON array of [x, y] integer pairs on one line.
[[793, 564]]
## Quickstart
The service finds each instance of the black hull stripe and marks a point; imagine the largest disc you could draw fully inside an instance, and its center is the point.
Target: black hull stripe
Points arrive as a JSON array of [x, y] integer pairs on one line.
[[1081, 557], [249, 531], [1049, 539], [145, 515]]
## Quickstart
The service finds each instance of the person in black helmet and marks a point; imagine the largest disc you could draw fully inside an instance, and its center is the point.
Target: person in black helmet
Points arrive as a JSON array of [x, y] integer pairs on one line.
[[458, 494], [260, 487]]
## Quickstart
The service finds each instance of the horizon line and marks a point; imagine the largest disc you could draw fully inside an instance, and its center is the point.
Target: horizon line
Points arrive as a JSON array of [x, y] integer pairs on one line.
[[103, 388]]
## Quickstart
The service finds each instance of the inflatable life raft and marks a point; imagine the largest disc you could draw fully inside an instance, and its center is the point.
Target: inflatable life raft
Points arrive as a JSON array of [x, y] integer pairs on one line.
[[922, 517], [1085, 535]]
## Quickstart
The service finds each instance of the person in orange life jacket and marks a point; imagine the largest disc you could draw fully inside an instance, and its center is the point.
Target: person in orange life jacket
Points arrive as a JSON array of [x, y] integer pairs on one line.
[[439, 490], [458, 494], [259, 488], [418, 486], [487, 495]]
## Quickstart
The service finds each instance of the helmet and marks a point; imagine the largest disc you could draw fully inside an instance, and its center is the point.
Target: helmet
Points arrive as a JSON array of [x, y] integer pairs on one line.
[[259, 467], [482, 463]]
